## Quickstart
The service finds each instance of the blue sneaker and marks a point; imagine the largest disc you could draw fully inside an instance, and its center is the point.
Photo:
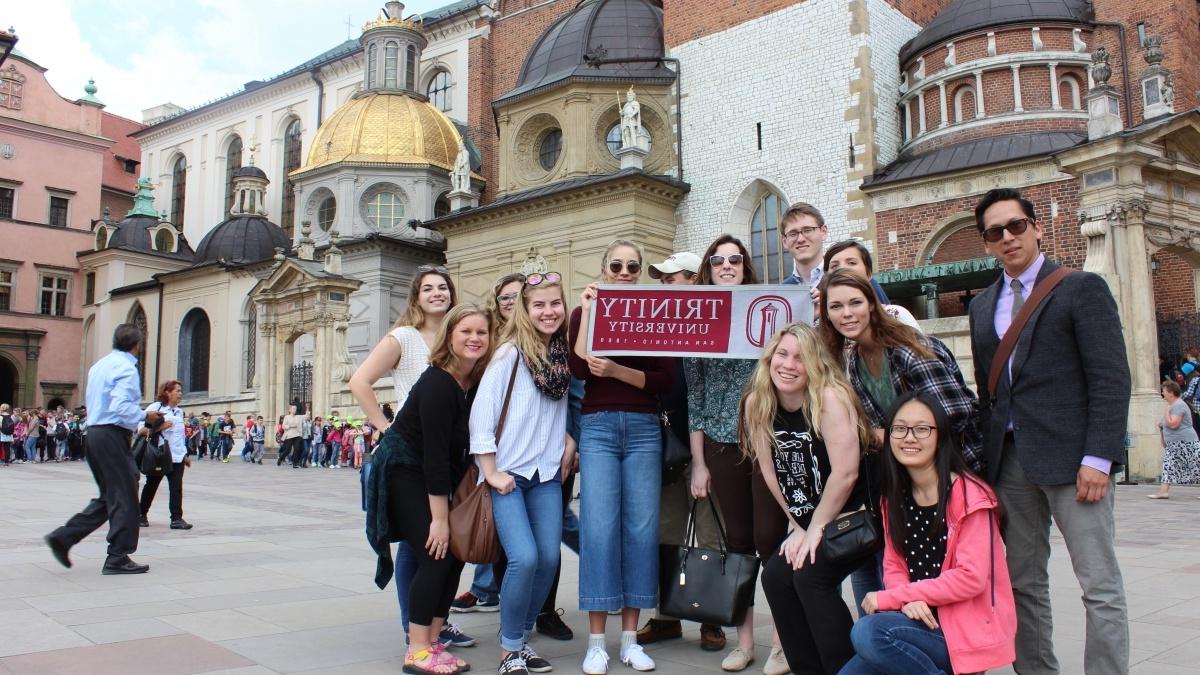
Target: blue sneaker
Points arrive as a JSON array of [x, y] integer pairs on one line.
[[452, 636]]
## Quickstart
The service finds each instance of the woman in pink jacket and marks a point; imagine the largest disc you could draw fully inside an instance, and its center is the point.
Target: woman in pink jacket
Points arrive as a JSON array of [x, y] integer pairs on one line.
[[948, 605]]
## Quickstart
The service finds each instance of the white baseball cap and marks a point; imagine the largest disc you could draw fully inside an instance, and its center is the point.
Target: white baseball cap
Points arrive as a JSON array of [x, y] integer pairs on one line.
[[676, 262]]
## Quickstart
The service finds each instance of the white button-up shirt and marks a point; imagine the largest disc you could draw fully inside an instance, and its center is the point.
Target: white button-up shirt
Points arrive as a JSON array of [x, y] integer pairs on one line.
[[114, 393]]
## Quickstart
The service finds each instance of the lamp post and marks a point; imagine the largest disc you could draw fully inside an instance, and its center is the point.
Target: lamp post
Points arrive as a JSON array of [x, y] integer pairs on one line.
[[8, 40]]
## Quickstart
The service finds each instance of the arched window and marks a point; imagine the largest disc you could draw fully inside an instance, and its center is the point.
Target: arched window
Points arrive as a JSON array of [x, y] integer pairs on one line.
[[137, 317], [163, 241], [325, 213], [291, 162], [178, 190], [251, 343], [194, 345], [1068, 92], [410, 67], [438, 91], [764, 239], [441, 207], [101, 237], [233, 162], [391, 54], [371, 62], [964, 103]]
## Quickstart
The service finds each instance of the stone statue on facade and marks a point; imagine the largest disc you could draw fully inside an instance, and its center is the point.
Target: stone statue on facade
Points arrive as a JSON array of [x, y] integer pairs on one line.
[[1101, 71], [631, 120], [460, 177]]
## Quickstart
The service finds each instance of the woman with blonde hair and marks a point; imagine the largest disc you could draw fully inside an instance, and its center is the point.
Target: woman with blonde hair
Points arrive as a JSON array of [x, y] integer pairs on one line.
[[802, 423], [404, 354], [526, 467], [620, 458]]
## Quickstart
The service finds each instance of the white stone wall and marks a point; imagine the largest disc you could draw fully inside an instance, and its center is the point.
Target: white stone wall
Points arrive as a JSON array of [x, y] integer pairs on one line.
[[888, 32], [790, 72]]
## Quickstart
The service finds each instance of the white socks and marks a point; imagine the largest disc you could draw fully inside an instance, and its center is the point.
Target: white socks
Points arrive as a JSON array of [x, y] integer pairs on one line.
[[597, 640], [628, 638]]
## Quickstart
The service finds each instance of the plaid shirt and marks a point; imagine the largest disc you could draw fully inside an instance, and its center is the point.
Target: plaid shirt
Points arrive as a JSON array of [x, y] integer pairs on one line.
[[941, 378]]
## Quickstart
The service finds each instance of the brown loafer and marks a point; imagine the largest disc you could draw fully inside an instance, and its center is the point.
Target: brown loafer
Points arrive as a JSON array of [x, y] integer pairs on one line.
[[712, 638], [657, 630]]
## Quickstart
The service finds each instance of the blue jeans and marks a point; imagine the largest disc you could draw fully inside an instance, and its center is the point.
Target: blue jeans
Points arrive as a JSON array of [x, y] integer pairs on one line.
[[529, 522], [893, 644], [314, 457], [405, 570], [867, 579], [31, 449], [484, 585], [620, 467]]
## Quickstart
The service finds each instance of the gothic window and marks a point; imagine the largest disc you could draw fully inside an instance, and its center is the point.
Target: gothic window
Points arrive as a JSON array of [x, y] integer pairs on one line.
[[371, 61], [291, 162], [163, 241], [251, 344], [194, 345], [391, 54], [764, 239], [137, 317], [410, 67], [233, 162], [438, 91], [12, 88], [550, 148], [325, 213], [178, 190]]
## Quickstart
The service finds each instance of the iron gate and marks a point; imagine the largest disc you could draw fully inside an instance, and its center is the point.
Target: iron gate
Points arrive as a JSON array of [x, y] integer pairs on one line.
[[1177, 332], [300, 389]]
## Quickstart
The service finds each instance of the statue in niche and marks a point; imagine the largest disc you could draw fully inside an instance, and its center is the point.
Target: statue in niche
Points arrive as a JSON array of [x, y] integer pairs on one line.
[[1168, 89], [460, 177], [631, 120]]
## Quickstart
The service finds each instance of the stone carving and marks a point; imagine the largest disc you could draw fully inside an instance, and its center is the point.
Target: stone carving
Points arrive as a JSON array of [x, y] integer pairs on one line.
[[1168, 90], [919, 73], [460, 177], [1101, 71], [991, 46], [534, 263], [1077, 42], [951, 57], [631, 120], [343, 366], [1154, 52], [1037, 39]]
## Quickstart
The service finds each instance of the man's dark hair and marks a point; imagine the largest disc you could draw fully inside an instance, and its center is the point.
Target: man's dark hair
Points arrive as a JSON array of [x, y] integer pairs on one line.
[[850, 243], [1001, 195], [126, 337]]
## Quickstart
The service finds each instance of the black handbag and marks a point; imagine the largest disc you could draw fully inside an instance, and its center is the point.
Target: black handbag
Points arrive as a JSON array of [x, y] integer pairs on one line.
[[856, 534], [151, 458], [676, 455], [703, 585]]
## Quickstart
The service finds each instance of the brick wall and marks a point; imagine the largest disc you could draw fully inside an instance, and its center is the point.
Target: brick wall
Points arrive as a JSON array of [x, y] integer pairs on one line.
[[1174, 283], [913, 225], [1035, 88]]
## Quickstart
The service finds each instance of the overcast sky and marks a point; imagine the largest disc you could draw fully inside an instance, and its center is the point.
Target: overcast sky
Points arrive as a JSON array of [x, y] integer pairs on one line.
[[143, 53]]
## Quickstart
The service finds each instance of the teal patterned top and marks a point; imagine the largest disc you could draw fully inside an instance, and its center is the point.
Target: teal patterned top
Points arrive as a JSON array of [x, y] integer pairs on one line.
[[714, 390]]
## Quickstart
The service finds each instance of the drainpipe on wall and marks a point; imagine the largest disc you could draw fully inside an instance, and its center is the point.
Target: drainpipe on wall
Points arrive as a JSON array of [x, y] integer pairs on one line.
[[320, 94], [1124, 67], [158, 335]]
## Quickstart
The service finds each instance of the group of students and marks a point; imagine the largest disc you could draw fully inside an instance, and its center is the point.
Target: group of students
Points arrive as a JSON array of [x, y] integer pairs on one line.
[[785, 443], [39, 435]]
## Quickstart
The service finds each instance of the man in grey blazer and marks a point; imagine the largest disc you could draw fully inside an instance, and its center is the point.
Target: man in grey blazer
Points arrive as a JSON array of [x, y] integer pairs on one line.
[[1053, 433]]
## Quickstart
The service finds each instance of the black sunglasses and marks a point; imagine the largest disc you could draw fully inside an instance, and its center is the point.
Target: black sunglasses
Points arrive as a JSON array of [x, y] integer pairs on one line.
[[1015, 227], [718, 260], [633, 266]]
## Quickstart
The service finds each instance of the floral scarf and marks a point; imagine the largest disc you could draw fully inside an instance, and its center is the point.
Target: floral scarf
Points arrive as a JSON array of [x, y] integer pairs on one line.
[[554, 379]]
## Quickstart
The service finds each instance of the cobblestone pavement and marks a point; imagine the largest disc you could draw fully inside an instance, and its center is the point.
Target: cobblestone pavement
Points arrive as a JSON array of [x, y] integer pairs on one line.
[[276, 577]]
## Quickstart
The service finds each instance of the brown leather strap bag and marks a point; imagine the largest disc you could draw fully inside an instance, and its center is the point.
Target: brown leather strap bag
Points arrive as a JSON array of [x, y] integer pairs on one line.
[[473, 536], [1005, 350]]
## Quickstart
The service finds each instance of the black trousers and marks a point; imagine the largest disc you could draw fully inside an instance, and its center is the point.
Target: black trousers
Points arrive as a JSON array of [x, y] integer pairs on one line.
[[174, 484], [112, 466], [435, 581], [811, 617]]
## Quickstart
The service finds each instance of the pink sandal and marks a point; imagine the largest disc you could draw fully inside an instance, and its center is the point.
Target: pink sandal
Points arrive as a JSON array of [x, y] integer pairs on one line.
[[430, 662], [439, 648]]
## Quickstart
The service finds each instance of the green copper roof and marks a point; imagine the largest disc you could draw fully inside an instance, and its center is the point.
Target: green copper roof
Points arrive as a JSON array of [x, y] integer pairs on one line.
[[963, 275], [143, 201]]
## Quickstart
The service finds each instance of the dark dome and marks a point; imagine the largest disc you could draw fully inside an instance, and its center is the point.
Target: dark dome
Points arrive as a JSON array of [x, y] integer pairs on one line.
[[250, 170], [964, 16], [242, 240], [603, 29], [133, 234]]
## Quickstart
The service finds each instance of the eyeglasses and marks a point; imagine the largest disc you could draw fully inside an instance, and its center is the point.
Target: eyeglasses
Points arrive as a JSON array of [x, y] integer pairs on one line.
[[792, 235], [433, 268], [899, 431], [633, 266], [718, 260], [507, 298], [547, 278], [1015, 227]]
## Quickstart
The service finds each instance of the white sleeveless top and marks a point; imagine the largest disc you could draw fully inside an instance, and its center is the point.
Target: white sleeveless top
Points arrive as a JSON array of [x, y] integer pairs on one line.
[[414, 359]]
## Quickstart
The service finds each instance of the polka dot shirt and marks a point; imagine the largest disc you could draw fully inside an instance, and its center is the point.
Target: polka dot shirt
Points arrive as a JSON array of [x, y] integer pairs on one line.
[[923, 553]]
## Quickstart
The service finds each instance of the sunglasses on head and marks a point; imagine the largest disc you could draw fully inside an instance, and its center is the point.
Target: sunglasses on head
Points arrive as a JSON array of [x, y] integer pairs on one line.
[[633, 266], [539, 279], [718, 260], [433, 268], [1015, 227]]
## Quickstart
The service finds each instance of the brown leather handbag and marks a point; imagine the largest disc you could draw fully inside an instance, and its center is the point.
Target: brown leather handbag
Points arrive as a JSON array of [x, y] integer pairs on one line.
[[473, 536]]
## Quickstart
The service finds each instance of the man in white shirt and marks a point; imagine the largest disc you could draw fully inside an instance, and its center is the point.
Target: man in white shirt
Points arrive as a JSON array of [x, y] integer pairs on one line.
[[114, 404]]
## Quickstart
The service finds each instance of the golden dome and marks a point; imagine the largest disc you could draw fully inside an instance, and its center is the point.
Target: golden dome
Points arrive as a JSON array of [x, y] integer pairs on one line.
[[384, 128]]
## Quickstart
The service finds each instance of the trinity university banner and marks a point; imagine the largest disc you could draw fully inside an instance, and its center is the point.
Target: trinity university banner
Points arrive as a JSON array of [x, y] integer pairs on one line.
[[722, 322]]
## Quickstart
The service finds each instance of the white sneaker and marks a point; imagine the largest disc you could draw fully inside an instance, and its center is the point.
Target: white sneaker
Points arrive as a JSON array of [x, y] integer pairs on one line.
[[635, 657], [595, 662]]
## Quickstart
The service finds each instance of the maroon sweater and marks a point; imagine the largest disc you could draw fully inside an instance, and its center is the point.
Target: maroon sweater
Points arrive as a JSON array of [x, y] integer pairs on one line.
[[610, 394]]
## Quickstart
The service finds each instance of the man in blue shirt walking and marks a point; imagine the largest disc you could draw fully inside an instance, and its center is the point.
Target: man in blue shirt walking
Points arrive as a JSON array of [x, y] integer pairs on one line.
[[114, 404]]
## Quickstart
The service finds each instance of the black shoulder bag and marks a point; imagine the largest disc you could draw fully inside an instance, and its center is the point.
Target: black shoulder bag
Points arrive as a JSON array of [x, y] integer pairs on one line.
[[703, 585], [856, 534]]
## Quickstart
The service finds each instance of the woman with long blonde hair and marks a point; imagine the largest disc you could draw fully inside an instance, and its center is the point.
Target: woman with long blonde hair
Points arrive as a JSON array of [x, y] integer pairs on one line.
[[803, 425], [527, 466]]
